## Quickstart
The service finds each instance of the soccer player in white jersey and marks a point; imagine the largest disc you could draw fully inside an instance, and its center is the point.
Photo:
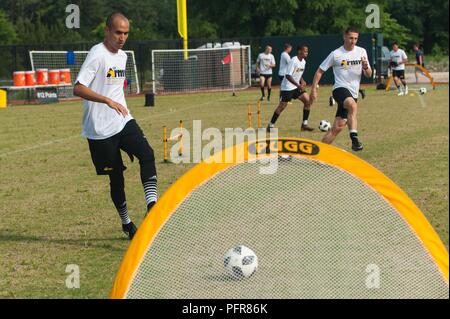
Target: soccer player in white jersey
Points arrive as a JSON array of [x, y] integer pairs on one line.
[[398, 59], [264, 65], [107, 122], [349, 62], [293, 87], [284, 61]]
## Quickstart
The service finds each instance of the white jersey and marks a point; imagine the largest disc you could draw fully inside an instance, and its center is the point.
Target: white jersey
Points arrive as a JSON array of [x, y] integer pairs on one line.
[[264, 61], [398, 57], [295, 69], [347, 68], [284, 61], [104, 73]]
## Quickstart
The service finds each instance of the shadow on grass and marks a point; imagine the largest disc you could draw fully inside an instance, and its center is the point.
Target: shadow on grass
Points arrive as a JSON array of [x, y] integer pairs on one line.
[[104, 243]]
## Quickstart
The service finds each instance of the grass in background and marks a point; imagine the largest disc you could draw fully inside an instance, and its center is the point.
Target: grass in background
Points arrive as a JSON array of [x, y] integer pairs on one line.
[[56, 211]]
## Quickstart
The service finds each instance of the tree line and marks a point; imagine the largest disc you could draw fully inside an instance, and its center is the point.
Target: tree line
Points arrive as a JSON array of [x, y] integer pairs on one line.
[[407, 22]]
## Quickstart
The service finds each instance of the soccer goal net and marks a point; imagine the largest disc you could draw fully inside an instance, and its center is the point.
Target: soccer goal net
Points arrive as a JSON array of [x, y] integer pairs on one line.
[[74, 61], [201, 70], [326, 224]]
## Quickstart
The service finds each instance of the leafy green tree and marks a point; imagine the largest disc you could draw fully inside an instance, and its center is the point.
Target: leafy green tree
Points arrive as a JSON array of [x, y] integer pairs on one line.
[[7, 31], [42, 21], [426, 20]]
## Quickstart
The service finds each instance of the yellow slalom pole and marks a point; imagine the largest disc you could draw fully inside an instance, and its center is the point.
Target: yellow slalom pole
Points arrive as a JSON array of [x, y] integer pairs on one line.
[[164, 144], [259, 114], [388, 83], [180, 151], [249, 113]]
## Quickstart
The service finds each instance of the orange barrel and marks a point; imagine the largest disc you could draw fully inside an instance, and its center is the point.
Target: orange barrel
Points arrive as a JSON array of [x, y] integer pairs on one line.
[[64, 76], [19, 78], [42, 76], [53, 77], [30, 78]]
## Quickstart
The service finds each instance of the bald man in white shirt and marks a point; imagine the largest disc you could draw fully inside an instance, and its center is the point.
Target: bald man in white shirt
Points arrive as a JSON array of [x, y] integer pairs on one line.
[[107, 123]]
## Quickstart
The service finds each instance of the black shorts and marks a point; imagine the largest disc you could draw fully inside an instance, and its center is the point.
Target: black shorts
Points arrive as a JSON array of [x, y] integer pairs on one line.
[[106, 154], [399, 74], [266, 76], [287, 96], [340, 95]]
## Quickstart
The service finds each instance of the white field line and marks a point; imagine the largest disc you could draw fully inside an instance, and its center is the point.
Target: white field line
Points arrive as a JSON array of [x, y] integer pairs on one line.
[[422, 101], [38, 146], [50, 143]]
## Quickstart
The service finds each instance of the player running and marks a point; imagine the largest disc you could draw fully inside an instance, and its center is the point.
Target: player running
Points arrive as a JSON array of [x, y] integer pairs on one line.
[[349, 62], [293, 87], [264, 65], [398, 60], [419, 61]]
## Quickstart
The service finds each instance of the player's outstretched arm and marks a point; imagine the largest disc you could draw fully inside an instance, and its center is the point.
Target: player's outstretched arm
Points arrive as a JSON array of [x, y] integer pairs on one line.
[[316, 80], [88, 94]]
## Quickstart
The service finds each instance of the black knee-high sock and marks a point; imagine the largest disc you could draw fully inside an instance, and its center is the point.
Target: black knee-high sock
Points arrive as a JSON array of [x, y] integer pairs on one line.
[[262, 91], [269, 90], [117, 188], [274, 117], [306, 116], [354, 136]]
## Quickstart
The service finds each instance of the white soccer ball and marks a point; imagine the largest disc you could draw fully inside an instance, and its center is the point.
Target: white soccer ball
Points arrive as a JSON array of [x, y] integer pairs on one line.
[[324, 126], [422, 91], [240, 262]]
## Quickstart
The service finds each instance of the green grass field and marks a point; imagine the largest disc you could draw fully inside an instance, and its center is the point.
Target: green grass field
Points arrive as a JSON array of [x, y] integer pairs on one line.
[[56, 211]]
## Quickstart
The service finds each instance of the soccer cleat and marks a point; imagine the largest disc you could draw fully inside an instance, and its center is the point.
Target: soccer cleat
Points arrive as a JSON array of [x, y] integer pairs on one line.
[[401, 93], [269, 127], [305, 127], [357, 146], [262, 98], [406, 90], [129, 229]]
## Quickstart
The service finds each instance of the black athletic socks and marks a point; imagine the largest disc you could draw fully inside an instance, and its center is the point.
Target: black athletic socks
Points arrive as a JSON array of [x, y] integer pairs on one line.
[[354, 137], [274, 117], [305, 115], [117, 185]]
